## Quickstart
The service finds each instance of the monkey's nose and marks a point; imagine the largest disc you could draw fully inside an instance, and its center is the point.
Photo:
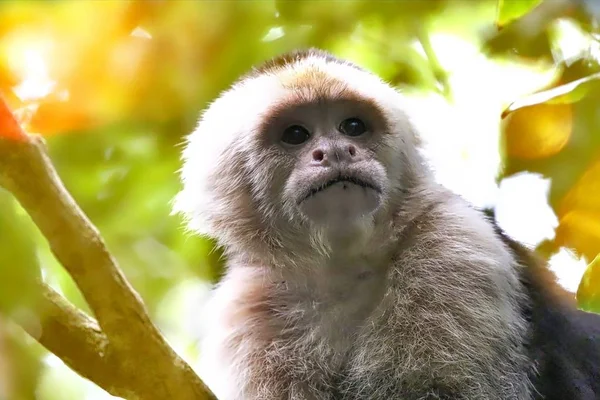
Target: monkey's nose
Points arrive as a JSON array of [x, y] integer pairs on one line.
[[351, 150], [323, 156], [318, 155]]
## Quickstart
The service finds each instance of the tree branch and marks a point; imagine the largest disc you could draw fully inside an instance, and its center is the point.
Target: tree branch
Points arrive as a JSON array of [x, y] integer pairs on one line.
[[70, 334], [142, 358]]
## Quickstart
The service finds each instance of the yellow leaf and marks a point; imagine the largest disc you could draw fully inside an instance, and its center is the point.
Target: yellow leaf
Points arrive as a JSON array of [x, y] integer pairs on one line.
[[537, 131], [580, 230], [585, 193]]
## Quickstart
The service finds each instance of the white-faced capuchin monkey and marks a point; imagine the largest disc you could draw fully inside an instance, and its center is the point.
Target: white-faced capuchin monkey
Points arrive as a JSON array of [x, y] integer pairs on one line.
[[350, 273]]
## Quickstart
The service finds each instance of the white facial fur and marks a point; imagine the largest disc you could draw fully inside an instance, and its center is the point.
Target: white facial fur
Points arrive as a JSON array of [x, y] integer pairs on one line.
[[234, 149], [335, 181]]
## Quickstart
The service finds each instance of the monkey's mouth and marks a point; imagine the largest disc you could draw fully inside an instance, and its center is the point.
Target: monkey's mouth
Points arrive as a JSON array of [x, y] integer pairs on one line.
[[345, 180]]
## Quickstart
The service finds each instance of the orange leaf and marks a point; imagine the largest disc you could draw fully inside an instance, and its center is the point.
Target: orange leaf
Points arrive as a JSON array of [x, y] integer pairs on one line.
[[9, 127], [57, 117]]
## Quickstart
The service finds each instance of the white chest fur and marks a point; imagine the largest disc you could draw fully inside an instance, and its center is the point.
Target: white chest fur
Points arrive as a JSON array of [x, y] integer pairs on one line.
[[442, 314]]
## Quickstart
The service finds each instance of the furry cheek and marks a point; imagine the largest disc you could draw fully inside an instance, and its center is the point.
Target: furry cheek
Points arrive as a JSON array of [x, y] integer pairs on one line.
[[268, 173]]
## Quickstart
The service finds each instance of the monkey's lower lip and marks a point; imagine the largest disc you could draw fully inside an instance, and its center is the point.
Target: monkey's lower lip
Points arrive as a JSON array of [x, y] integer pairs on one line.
[[341, 178]]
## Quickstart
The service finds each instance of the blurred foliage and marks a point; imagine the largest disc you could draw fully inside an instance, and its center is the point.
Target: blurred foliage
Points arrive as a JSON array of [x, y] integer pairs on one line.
[[510, 10], [115, 86], [22, 276], [556, 132]]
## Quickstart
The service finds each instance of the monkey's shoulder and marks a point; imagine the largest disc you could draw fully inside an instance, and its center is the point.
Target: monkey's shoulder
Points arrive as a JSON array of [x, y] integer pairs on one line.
[[564, 342], [445, 226]]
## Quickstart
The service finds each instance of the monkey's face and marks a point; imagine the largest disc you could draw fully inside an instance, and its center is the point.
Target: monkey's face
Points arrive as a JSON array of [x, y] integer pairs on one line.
[[309, 143], [328, 162]]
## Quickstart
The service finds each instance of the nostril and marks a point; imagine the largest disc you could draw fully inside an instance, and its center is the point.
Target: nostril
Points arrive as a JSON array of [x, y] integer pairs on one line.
[[352, 150], [318, 155]]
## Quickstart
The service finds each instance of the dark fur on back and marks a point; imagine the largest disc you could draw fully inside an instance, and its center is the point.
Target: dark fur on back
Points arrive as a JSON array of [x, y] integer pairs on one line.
[[564, 342]]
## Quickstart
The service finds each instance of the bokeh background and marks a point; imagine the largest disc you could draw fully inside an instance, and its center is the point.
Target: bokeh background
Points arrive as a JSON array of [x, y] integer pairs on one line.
[[506, 95]]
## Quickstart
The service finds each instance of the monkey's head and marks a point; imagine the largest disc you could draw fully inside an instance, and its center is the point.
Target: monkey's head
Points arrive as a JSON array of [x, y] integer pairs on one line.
[[305, 149]]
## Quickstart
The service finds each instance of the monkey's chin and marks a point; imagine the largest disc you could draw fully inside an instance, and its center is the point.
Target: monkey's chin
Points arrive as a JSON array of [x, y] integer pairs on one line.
[[341, 205]]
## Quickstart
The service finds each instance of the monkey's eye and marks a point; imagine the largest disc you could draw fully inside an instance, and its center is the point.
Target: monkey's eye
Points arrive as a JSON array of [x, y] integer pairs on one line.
[[295, 135], [352, 127]]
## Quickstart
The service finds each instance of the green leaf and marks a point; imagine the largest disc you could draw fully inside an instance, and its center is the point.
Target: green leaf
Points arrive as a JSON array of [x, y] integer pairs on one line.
[[509, 10], [588, 293], [19, 264], [568, 93]]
